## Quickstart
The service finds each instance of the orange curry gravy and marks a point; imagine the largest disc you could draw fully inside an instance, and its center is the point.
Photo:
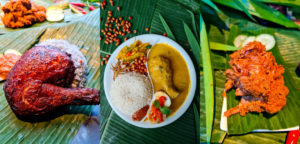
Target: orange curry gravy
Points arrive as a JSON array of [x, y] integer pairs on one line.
[[181, 77], [7, 62]]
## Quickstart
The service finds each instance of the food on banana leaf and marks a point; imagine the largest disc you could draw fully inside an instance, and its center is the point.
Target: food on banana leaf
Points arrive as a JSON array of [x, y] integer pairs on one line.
[[257, 79], [22, 13]]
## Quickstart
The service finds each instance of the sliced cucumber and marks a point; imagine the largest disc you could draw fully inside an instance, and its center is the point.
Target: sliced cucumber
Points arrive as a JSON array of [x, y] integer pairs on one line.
[[249, 39], [238, 41], [267, 40], [55, 14], [12, 51]]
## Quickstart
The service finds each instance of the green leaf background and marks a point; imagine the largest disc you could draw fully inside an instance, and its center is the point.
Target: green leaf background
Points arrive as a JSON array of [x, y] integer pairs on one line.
[[61, 129], [146, 14]]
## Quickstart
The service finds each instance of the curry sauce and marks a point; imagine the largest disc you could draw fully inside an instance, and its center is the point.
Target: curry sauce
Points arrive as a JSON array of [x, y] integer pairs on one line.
[[180, 73]]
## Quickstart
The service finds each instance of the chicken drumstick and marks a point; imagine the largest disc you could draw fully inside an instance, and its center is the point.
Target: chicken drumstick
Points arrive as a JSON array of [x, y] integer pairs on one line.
[[39, 83]]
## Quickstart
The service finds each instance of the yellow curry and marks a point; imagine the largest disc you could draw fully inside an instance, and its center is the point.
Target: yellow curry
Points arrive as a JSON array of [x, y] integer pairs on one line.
[[169, 73]]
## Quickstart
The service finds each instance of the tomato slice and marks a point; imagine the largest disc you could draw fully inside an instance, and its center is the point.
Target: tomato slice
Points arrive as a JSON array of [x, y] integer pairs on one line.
[[162, 100]]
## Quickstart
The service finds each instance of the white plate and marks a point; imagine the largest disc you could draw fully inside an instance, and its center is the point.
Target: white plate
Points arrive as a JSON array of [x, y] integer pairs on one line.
[[152, 39]]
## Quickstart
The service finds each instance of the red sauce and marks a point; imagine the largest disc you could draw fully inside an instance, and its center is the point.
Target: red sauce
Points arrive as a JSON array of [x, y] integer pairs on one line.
[[6, 64], [140, 114]]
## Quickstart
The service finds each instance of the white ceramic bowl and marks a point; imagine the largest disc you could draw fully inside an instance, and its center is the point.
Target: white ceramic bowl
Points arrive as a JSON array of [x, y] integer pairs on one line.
[[152, 39]]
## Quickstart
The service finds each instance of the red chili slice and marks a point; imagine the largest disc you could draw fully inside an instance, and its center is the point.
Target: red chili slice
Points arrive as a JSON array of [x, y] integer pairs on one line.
[[77, 4], [292, 137]]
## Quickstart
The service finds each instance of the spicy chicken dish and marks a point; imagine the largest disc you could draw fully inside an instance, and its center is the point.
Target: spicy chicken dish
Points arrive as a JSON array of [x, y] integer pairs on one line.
[[22, 13], [257, 79]]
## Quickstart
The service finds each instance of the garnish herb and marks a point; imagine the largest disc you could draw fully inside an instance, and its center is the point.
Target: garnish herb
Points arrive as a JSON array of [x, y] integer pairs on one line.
[[148, 46], [165, 110], [156, 103]]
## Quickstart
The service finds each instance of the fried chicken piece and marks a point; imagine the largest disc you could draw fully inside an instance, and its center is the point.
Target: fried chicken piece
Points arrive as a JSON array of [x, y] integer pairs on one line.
[[161, 72], [257, 79], [40, 83], [22, 13]]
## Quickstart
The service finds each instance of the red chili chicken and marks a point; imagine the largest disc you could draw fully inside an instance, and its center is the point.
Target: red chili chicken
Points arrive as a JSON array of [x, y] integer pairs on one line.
[[258, 81], [22, 13]]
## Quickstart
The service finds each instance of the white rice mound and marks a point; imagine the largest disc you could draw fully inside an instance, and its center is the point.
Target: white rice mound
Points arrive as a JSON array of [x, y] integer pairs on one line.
[[130, 92], [77, 57]]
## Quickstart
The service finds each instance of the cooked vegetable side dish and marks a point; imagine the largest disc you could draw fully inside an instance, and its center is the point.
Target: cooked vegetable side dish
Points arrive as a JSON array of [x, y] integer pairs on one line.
[[132, 58], [258, 81]]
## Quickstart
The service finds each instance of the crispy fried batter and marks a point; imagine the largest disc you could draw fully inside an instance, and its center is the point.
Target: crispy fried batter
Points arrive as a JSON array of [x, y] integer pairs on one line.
[[22, 13], [258, 80]]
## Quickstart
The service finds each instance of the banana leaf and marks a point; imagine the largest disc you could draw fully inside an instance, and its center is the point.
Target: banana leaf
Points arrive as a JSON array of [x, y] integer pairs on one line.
[[292, 3], [254, 138], [61, 129], [211, 4], [146, 14], [260, 10], [193, 5]]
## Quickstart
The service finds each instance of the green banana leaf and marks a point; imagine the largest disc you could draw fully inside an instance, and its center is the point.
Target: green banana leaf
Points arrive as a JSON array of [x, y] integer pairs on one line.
[[293, 3], [254, 138], [146, 14], [193, 5], [61, 129], [260, 10]]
